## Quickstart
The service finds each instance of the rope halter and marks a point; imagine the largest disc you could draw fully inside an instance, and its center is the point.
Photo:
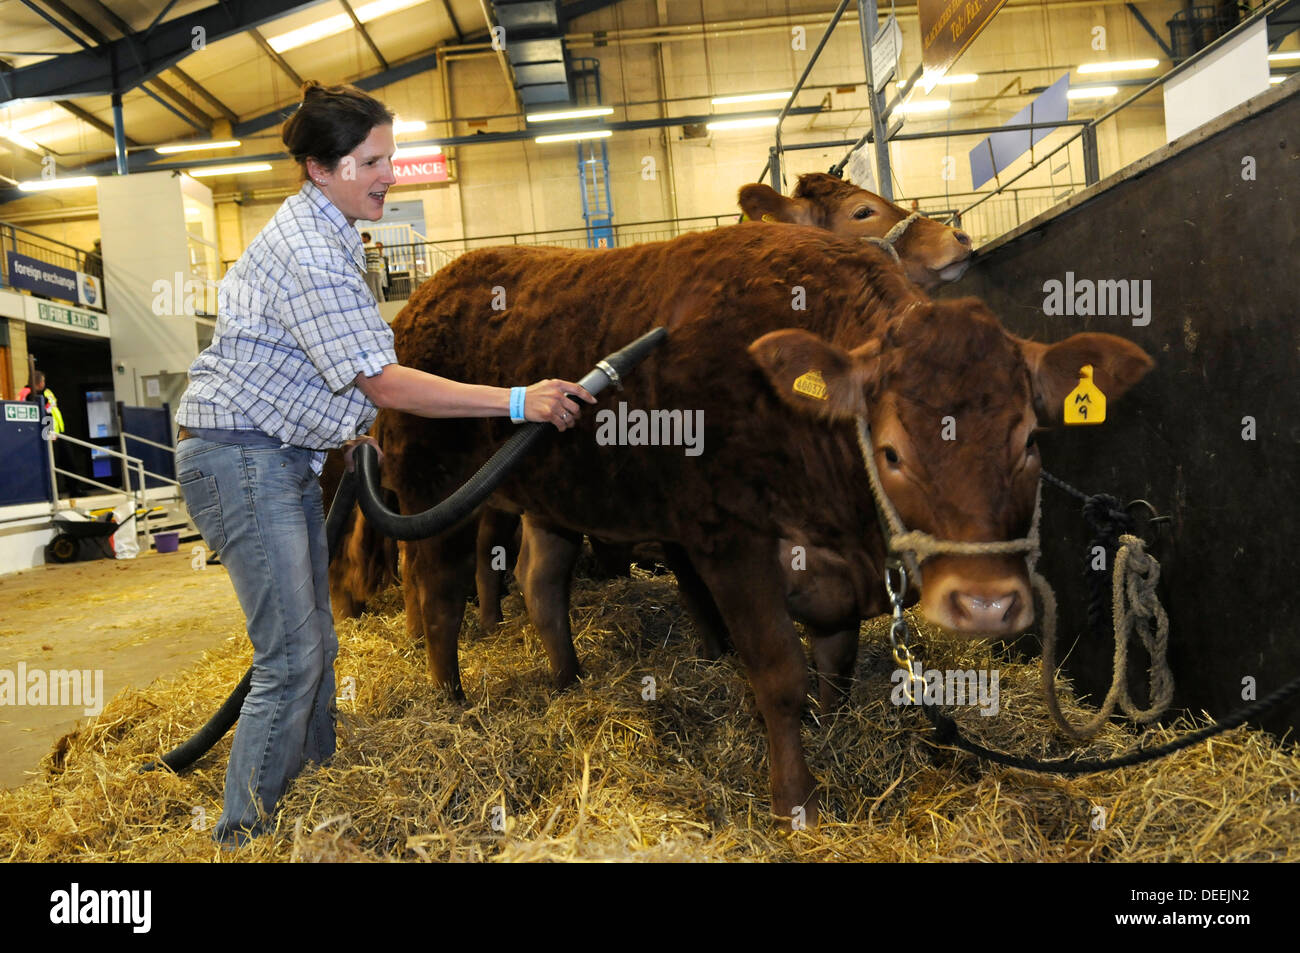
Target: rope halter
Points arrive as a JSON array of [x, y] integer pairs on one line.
[[893, 235]]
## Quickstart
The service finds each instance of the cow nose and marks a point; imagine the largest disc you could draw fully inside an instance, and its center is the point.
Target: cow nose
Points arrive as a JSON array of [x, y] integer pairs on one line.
[[985, 612], [961, 237]]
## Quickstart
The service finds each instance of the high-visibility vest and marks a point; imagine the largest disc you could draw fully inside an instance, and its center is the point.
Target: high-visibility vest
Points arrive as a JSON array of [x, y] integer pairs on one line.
[[52, 404]]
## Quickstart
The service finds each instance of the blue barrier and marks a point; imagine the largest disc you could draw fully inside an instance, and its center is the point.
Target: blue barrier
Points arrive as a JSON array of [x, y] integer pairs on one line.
[[25, 473]]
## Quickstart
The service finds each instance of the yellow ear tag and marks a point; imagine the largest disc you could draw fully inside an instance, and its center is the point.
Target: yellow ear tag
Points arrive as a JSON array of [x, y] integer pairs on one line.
[[1085, 404], [767, 217], [811, 385]]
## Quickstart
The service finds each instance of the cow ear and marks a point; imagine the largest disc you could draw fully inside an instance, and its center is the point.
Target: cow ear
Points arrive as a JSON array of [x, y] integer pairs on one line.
[[764, 203], [815, 377], [1117, 364]]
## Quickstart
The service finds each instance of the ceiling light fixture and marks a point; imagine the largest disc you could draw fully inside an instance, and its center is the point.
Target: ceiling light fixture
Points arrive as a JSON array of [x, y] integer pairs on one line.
[[239, 168], [196, 146], [571, 114], [571, 136]]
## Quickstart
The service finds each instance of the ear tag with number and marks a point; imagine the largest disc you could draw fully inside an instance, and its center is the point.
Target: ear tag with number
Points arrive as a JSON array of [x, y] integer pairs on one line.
[[1085, 404], [811, 385], [768, 217]]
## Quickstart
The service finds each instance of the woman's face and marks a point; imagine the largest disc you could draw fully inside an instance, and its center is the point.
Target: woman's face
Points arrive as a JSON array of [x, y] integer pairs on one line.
[[358, 184]]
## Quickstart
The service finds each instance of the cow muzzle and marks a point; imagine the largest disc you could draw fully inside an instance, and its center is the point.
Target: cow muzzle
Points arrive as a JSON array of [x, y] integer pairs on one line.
[[984, 601]]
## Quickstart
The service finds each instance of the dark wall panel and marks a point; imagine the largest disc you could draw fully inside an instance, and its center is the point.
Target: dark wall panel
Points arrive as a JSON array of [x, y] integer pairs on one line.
[[1223, 258]]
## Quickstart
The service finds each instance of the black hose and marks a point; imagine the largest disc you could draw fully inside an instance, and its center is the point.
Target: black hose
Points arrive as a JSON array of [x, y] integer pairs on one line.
[[479, 487], [417, 526]]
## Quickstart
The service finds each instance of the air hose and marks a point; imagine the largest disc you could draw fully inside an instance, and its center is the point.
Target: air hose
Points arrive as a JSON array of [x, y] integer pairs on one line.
[[431, 522]]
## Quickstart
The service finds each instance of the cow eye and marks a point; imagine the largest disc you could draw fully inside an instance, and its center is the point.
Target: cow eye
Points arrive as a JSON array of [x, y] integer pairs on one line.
[[861, 213], [891, 456], [1031, 441]]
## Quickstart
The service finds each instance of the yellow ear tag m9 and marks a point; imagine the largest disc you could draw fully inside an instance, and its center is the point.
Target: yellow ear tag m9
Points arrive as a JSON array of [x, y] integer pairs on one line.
[[768, 217], [1085, 404], [811, 385]]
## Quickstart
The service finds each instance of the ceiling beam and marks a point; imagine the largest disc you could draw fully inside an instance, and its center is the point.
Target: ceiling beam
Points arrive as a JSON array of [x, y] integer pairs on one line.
[[360, 28], [176, 96], [276, 57], [114, 65], [460, 36], [61, 27], [91, 119], [212, 101]]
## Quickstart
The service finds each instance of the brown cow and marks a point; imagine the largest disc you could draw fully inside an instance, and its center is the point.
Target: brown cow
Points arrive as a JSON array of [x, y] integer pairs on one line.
[[777, 468], [931, 253]]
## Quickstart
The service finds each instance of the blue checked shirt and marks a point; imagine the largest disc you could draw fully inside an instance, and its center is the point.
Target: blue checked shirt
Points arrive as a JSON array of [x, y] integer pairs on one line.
[[296, 323]]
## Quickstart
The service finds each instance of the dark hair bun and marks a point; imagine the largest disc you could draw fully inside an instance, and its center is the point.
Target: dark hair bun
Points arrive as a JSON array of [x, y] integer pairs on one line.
[[312, 90]]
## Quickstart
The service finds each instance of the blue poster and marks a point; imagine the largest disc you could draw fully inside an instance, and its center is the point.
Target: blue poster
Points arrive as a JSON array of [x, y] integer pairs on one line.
[[43, 279], [999, 150]]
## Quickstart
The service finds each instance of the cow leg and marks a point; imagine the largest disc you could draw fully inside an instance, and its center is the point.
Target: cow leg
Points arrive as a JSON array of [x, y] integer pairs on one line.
[[437, 579], [836, 653], [495, 552], [545, 571], [749, 590], [715, 641]]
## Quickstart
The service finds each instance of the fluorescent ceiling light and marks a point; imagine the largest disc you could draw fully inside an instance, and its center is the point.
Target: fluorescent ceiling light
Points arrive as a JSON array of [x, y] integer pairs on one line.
[[237, 169], [751, 98], [45, 185], [1118, 66], [12, 182], [957, 79], [570, 136], [925, 106], [1091, 92], [415, 151], [408, 125], [310, 33], [1279, 57], [571, 114], [1275, 79], [35, 120], [336, 24], [197, 146], [751, 123], [19, 139]]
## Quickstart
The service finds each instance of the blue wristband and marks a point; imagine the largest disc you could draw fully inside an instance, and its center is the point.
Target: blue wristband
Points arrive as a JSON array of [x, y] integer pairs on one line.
[[517, 405]]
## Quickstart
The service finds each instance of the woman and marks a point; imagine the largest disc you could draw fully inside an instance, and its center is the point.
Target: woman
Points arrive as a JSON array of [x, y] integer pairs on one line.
[[298, 364]]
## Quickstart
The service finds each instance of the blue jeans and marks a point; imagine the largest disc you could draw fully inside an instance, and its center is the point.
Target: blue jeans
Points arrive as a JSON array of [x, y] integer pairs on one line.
[[260, 509]]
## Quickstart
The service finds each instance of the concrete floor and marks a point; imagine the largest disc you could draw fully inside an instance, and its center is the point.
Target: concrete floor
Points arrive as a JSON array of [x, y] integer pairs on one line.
[[134, 620]]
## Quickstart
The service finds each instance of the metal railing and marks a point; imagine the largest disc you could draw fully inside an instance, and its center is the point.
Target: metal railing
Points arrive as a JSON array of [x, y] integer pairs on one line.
[[1086, 136], [431, 257], [51, 251], [128, 463]]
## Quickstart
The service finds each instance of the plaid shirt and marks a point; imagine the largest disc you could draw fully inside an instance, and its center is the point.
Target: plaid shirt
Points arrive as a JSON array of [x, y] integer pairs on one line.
[[296, 323]]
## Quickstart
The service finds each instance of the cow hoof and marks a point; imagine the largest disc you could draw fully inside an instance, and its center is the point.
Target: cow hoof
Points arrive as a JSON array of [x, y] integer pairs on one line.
[[799, 817]]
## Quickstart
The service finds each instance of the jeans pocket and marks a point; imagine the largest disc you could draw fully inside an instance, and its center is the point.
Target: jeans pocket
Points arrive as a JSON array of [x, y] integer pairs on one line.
[[203, 503]]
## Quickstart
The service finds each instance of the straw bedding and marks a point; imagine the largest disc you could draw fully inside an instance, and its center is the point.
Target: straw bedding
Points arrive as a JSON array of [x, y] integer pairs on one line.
[[603, 772]]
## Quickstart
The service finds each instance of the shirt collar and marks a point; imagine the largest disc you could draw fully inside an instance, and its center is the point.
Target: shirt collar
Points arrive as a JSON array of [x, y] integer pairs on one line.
[[330, 212]]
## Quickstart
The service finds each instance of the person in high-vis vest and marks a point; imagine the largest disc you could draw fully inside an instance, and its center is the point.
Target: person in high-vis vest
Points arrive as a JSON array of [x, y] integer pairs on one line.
[[38, 393]]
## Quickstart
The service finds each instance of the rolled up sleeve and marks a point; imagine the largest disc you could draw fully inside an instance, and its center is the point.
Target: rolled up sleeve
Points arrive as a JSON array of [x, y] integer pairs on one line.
[[332, 315]]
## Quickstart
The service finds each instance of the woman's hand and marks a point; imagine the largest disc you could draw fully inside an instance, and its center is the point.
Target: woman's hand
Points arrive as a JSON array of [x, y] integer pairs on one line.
[[549, 402], [352, 445]]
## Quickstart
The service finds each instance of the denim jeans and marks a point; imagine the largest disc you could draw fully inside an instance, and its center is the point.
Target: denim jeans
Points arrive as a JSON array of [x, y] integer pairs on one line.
[[260, 509]]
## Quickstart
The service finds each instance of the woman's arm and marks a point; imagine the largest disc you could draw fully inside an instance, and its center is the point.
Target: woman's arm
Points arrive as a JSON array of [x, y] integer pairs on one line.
[[398, 387]]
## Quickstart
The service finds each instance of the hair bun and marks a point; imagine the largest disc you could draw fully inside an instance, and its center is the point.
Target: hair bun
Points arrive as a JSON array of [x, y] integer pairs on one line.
[[312, 90]]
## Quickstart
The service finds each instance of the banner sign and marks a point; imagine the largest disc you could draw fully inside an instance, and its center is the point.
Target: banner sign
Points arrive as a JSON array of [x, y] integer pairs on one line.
[[419, 169], [948, 27], [40, 278], [999, 150], [884, 53]]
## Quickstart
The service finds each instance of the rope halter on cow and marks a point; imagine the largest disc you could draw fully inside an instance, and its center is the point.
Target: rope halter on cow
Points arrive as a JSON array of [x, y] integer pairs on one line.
[[1135, 605], [893, 235]]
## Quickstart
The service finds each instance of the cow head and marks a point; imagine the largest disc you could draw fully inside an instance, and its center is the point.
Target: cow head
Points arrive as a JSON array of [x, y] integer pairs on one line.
[[931, 253], [954, 403]]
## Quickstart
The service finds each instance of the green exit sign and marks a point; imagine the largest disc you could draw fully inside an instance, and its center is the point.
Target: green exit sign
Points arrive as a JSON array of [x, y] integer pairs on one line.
[[22, 414]]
